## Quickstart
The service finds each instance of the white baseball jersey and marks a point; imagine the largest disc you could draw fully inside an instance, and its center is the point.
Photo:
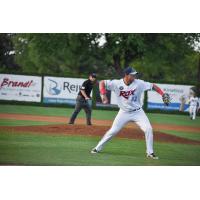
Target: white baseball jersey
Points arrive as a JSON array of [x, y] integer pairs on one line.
[[128, 96], [193, 101]]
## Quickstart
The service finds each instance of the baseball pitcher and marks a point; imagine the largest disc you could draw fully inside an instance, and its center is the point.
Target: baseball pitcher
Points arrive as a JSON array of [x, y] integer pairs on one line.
[[128, 91]]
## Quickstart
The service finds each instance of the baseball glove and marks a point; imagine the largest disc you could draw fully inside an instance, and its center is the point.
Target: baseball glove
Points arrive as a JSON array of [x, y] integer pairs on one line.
[[166, 99]]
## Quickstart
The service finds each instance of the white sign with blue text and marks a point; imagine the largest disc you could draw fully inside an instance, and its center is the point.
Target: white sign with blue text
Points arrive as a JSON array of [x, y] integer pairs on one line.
[[61, 90], [179, 97]]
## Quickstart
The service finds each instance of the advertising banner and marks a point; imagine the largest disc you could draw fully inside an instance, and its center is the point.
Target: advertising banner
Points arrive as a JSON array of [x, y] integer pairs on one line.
[[178, 93], [20, 87], [61, 90]]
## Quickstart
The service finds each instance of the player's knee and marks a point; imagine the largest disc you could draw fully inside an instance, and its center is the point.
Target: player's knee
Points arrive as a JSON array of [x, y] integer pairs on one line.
[[88, 111], [149, 129], [76, 112]]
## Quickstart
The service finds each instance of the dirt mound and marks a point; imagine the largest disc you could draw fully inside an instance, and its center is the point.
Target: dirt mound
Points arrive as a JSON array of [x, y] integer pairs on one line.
[[95, 122], [95, 130]]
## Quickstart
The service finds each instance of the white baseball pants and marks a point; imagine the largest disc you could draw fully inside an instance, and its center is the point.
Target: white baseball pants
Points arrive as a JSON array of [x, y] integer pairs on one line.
[[192, 111], [122, 118]]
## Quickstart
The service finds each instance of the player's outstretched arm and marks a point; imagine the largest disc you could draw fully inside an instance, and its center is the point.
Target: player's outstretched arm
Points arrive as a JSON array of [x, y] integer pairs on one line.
[[102, 89], [157, 89], [165, 96]]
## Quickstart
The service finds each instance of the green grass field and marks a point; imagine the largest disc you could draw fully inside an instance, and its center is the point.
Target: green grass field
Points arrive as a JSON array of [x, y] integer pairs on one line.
[[31, 149], [97, 114], [43, 149]]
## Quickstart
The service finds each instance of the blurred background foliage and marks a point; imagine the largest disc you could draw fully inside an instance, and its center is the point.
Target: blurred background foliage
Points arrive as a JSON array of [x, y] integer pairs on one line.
[[170, 57]]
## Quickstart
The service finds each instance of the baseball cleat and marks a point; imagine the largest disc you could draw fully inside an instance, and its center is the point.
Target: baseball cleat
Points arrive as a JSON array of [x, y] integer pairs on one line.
[[152, 156], [94, 151]]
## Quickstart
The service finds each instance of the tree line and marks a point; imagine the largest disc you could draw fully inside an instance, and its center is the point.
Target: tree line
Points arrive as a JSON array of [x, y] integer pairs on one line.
[[170, 57]]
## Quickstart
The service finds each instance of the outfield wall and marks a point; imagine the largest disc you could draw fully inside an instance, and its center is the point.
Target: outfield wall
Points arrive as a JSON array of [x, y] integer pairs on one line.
[[179, 97], [63, 90], [20, 87]]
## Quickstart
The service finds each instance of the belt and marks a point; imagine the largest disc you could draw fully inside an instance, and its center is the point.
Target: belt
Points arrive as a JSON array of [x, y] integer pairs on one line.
[[135, 110]]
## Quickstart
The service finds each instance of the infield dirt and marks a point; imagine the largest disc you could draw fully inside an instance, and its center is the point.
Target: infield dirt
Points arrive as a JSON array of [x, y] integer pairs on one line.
[[99, 128]]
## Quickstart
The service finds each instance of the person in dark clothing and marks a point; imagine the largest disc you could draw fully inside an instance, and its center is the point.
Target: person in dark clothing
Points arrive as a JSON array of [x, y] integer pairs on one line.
[[82, 100]]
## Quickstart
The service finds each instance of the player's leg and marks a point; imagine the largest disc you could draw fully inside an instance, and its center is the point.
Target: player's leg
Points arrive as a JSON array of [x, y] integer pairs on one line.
[[194, 112], [142, 121], [120, 120], [190, 112], [77, 109], [88, 112]]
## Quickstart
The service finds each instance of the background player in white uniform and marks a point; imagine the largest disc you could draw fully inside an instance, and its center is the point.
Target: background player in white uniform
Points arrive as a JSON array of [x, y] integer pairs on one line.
[[198, 109], [128, 91], [193, 102]]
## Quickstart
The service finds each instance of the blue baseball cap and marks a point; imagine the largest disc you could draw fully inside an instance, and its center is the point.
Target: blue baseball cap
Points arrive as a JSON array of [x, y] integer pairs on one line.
[[130, 70]]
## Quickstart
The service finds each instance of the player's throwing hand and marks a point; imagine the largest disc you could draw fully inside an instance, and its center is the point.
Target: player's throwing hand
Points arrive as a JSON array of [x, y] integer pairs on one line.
[[104, 98]]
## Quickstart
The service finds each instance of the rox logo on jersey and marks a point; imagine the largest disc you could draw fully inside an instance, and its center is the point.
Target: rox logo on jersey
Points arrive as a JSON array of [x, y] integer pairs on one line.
[[126, 94]]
